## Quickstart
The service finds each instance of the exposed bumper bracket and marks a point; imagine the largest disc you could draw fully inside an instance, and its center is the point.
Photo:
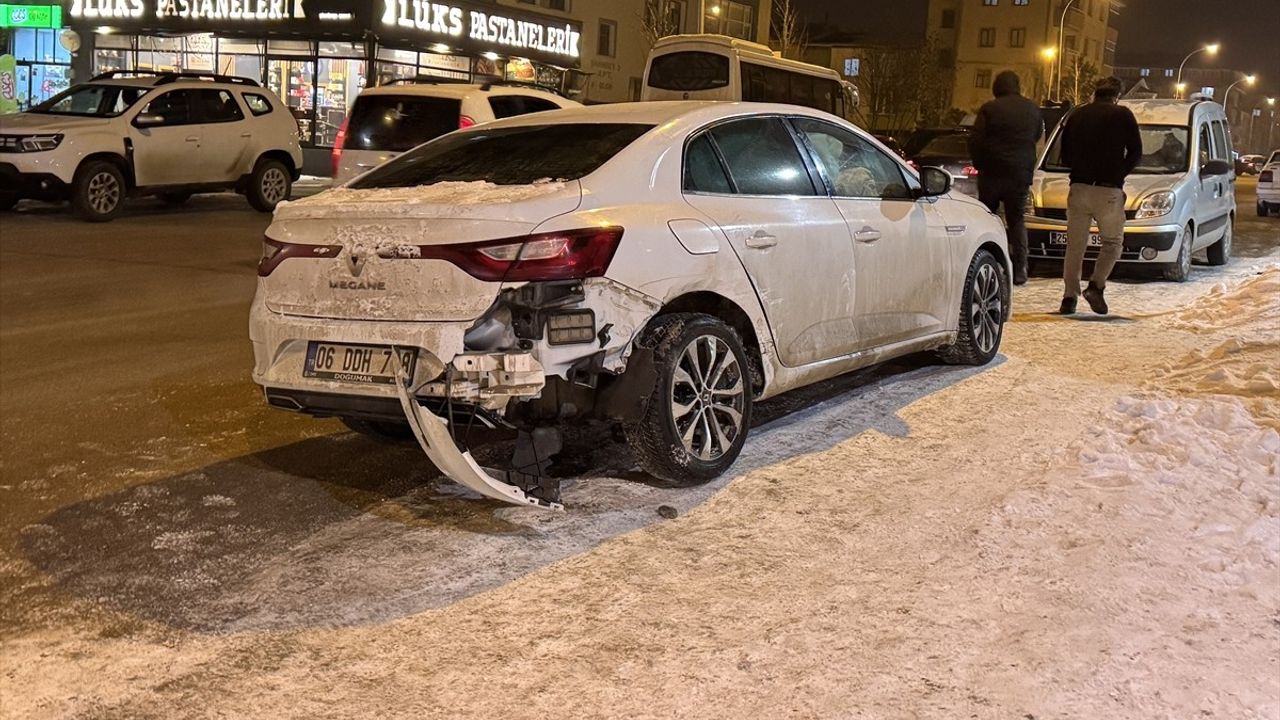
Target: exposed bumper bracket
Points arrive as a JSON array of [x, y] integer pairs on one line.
[[433, 436]]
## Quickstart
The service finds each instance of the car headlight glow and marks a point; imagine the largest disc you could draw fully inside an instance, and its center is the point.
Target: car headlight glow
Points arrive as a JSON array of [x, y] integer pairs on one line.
[[37, 143], [1157, 204], [1029, 209]]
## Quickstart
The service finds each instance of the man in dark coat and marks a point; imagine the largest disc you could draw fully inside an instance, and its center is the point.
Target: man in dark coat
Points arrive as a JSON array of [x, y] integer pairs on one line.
[[1003, 147]]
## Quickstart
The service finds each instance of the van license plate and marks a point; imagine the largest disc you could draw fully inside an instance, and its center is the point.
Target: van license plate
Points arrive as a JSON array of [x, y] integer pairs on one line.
[[371, 364], [1057, 237]]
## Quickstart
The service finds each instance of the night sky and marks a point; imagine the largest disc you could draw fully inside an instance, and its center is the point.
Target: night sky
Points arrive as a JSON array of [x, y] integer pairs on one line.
[[1152, 32]]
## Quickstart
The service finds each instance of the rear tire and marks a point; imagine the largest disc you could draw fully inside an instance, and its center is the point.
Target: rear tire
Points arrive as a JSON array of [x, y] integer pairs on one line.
[[1180, 270], [699, 410], [982, 313], [8, 201], [269, 185], [384, 430], [175, 199], [1220, 252], [1263, 210], [98, 191]]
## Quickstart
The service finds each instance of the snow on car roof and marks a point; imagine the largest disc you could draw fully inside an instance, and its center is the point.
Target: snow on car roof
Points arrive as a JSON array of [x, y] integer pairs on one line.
[[1162, 112], [656, 112]]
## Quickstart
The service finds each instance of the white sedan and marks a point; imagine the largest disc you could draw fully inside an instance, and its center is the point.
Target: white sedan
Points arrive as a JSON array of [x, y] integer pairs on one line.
[[662, 265]]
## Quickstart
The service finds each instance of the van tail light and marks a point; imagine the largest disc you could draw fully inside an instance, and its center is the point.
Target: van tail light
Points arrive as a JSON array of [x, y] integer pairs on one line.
[[969, 171], [1266, 176], [465, 121], [338, 142], [566, 255]]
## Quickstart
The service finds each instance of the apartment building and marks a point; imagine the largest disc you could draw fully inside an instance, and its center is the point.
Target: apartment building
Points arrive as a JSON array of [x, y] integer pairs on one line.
[[985, 37], [615, 34]]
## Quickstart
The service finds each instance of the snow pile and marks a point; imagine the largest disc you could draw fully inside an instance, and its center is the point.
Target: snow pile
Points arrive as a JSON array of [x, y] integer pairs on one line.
[[1252, 301], [447, 194], [1248, 368]]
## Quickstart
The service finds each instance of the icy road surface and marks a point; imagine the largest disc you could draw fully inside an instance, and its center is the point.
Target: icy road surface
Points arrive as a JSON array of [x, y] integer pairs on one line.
[[1087, 528]]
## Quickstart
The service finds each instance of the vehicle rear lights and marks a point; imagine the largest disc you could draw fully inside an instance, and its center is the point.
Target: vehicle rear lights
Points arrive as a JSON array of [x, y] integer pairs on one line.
[[564, 255], [969, 171], [275, 252], [465, 121], [571, 327], [338, 142], [1266, 176]]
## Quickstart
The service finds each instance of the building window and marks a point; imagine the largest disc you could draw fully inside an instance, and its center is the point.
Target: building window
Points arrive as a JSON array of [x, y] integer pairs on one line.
[[987, 37], [1022, 2], [1070, 43], [990, 3], [1017, 37], [1144, 72], [1089, 12], [852, 67], [607, 43], [1168, 72], [561, 5], [948, 19], [730, 18], [982, 79]]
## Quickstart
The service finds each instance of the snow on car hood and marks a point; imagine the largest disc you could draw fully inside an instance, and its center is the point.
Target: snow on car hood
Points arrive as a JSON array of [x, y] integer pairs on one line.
[[41, 122], [1050, 189], [439, 200]]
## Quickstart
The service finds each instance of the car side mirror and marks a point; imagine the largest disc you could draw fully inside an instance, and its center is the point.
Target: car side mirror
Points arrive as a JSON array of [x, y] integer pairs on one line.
[[146, 120], [1215, 167], [934, 181]]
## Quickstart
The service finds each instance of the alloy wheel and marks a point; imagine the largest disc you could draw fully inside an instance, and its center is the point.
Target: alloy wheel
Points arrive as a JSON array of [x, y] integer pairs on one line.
[[104, 193], [986, 308], [274, 185], [708, 396]]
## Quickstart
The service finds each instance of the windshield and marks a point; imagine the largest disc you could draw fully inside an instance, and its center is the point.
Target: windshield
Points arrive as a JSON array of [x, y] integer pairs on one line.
[[507, 156], [947, 146], [1164, 151], [92, 101]]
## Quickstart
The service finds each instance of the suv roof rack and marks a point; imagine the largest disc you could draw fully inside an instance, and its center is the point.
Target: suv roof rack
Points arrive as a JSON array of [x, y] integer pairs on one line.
[[426, 80], [521, 83], [166, 77]]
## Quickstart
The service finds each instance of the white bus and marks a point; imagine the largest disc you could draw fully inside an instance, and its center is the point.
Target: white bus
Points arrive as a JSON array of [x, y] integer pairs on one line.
[[716, 67]]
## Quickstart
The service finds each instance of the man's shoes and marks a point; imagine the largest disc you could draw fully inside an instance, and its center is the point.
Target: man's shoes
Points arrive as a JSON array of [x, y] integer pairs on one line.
[[1093, 296], [1019, 275], [1068, 306]]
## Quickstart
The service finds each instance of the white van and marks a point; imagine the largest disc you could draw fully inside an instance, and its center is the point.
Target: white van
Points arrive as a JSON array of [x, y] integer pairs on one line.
[[717, 67], [1179, 200]]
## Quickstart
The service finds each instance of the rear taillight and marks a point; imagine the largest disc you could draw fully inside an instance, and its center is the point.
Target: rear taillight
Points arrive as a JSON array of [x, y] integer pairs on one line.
[[338, 142], [566, 255], [1265, 176], [465, 121], [969, 171], [275, 252]]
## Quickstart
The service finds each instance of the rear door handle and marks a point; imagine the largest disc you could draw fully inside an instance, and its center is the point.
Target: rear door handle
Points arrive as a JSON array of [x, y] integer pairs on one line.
[[193, 138], [246, 134], [761, 240], [366, 165], [867, 234]]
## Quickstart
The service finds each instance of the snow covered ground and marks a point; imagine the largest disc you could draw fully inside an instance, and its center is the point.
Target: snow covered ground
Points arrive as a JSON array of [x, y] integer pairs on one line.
[[1089, 528]]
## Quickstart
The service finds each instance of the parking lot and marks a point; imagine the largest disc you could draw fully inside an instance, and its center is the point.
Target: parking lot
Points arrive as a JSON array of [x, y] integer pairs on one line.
[[171, 547]]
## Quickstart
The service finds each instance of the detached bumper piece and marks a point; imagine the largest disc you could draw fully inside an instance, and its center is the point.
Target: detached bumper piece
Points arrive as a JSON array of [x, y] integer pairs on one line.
[[437, 442]]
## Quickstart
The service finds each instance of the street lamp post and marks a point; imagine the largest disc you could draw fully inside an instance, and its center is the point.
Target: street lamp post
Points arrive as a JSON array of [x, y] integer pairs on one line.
[[1062, 29], [1211, 48], [1048, 54], [1226, 97], [1254, 113]]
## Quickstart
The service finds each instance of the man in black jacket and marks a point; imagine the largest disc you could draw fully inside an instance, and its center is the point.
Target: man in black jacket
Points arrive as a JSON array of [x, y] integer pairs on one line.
[[1102, 144], [1003, 148]]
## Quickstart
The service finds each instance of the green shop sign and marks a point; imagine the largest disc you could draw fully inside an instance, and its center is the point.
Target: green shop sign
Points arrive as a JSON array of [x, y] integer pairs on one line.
[[30, 16]]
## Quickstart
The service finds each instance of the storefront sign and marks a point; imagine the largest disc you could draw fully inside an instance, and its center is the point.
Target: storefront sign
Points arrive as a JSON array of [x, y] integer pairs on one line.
[[106, 9], [222, 9], [483, 27], [30, 16]]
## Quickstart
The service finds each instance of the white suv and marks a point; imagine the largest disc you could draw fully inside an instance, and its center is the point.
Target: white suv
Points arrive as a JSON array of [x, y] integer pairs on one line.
[[1269, 186], [168, 134], [401, 115]]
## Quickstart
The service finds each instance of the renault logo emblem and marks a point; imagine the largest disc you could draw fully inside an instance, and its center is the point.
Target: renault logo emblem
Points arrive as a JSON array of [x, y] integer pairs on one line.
[[355, 262]]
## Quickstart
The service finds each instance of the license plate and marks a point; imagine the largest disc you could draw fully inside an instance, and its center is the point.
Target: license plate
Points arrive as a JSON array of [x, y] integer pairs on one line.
[[374, 364], [1057, 237]]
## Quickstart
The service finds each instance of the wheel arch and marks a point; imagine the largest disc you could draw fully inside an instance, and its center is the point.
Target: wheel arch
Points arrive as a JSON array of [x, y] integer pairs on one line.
[[283, 156], [126, 168], [730, 313], [1002, 257]]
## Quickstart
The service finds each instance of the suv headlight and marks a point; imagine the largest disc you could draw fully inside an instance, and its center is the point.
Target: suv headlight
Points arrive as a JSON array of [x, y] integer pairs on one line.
[[1029, 209], [37, 143], [1155, 205]]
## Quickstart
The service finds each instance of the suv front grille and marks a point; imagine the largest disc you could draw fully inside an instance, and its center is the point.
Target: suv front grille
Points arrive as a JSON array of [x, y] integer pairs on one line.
[[1061, 213], [9, 143]]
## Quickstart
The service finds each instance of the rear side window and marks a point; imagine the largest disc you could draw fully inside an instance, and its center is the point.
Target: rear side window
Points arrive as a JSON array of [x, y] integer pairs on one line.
[[216, 106], [505, 106], [259, 105], [508, 156], [396, 123], [689, 71], [762, 157], [702, 169], [762, 83]]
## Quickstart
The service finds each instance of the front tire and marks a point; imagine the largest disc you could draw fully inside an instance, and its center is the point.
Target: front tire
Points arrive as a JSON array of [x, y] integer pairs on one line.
[[1220, 252], [98, 191], [269, 185], [699, 411], [8, 201], [1263, 210], [1180, 270], [982, 313]]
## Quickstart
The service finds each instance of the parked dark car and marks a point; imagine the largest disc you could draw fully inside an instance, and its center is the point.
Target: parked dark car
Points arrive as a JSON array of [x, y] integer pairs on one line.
[[916, 141], [950, 151], [891, 142]]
